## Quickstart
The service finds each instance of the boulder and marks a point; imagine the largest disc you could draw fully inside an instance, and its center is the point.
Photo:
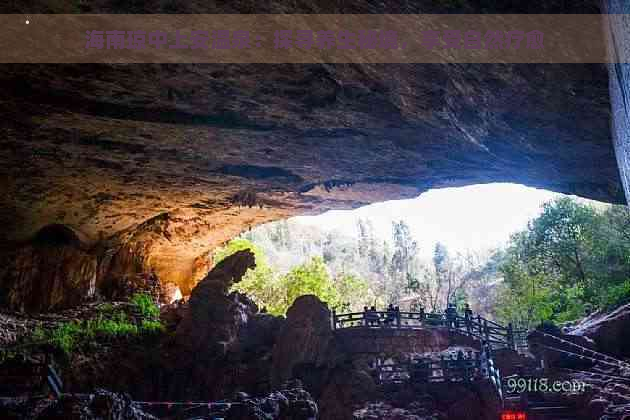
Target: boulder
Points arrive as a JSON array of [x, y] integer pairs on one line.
[[610, 331], [346, 389], [214, 317], [101, 404], [306, 337], [292, 403], [385, 411]]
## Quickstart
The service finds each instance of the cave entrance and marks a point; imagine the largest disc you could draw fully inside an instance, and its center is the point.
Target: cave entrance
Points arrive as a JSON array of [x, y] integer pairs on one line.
[[450, 246]]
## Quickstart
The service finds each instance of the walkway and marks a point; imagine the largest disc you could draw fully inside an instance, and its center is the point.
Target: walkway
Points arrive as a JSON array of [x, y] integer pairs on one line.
[[479, 328]]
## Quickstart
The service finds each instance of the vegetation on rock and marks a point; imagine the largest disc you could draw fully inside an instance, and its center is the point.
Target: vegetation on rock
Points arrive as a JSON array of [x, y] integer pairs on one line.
[[109, 324]]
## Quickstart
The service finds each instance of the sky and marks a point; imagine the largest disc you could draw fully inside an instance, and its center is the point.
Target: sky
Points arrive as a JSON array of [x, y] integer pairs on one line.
[[475, 218]]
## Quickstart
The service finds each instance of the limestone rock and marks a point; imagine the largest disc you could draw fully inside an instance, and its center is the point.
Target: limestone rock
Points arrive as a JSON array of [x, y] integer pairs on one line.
[[285, 404], [345, 389], [611, 331], [306, 337], [101, 404], [214, 317], [385, 411], [52, 271], [103, 147]]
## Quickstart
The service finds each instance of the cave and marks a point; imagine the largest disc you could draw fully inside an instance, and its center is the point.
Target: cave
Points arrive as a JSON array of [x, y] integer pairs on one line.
[[148, 194], [125, 178]]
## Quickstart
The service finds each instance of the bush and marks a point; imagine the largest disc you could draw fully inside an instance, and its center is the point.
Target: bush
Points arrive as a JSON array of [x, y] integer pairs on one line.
[[118, 326], [106, 308], [616, 295], [145, 305], [151, 327]]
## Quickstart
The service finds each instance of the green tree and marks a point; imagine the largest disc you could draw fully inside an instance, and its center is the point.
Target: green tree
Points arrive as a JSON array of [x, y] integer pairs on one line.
[[311, 278], [260, 283], [571, 257], [354, 293]]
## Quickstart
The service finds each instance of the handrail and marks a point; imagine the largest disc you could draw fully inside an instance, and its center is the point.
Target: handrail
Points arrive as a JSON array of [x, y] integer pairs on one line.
[[460, 368], [476, 327]]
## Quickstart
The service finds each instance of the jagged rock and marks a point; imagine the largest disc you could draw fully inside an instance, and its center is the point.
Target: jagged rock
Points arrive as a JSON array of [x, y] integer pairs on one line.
[[596, 408], [260, 333], [385, 411], [611, 331], [286, 404], [101, 404], [215, 317], [345, 389], [52, 271], [306, 337]]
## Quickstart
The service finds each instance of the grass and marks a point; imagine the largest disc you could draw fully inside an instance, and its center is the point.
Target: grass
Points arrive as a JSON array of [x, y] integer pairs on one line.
[[108, 325]]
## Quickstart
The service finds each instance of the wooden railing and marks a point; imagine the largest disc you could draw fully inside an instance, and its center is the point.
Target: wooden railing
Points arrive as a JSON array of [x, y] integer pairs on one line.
[[460, 368], [483, 329]]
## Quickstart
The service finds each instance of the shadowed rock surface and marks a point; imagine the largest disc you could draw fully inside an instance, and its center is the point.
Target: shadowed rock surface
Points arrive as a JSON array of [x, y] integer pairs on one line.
[[610, 331], [101, 404], [157, 183], [156, 165]]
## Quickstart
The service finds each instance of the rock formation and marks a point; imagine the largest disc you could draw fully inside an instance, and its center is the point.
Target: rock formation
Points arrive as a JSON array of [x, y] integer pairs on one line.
[[306, 338], [166, 179], [610, 331], [290, 402], [101, 404], [52, 271], [159, 164], [214, 317]]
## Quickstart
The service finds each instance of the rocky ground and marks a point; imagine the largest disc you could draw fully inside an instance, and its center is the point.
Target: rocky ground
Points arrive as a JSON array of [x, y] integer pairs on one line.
[[217, 345]]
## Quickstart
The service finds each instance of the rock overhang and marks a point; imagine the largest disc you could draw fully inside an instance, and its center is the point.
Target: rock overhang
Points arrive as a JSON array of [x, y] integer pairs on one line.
[[173, 160]]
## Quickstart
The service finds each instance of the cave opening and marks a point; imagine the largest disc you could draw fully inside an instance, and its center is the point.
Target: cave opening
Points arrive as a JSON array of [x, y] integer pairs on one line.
[[177, 238], [393, 252]]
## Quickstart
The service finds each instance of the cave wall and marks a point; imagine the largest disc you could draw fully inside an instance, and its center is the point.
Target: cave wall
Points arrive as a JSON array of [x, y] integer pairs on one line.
[[619, 50], [156, 165]]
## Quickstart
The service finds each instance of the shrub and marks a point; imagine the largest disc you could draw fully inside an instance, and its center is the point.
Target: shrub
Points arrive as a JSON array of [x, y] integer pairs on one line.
[[118, 326], [616, 295], [106, 308], [151, 327], [145, 305]]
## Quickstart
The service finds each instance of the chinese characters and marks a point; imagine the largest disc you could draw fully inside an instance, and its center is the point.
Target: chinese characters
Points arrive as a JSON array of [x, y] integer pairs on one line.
[[307, 39]]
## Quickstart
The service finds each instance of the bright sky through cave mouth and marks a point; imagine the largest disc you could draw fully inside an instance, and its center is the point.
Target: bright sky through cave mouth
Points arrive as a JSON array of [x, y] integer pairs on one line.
[[475, 218]]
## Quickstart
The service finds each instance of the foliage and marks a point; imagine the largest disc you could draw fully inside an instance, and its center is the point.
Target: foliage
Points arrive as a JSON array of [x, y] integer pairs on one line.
[[151, 327], [354, 293], [616, 295], [106, 308], [311, 278], [276, 292], [69, 336], [388, 271], [568, 260], [145, 305], [237, 244]]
